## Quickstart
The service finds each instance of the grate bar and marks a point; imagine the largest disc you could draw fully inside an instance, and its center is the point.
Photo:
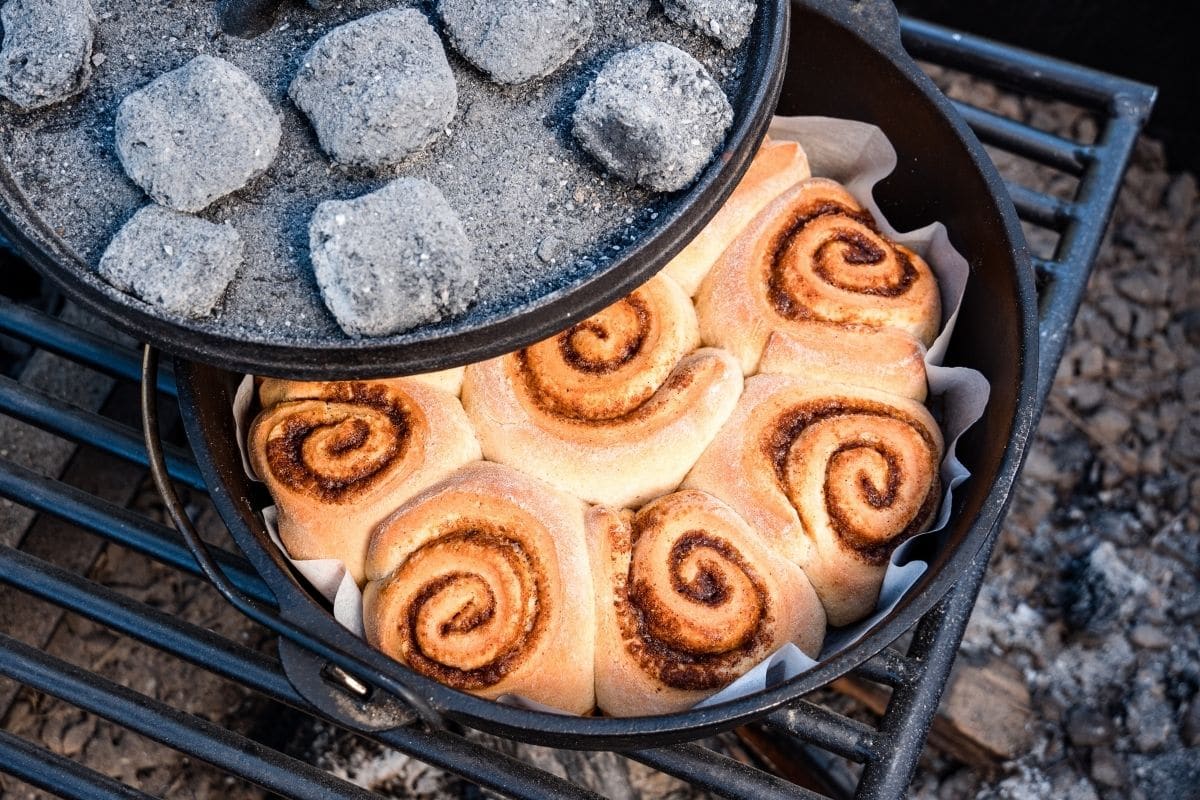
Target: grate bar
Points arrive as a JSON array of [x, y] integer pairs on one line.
[[1123, 107], [1080, 244], [826, 729], [1041, 209], [58, 775], [83, 427], [1017, 137], [1046, 269], [888, 667], [100, 604], [176, 729], [487, 768], [1032, 72], [76, 344], [912, 707], [120, 525], [264, 675], [720, 774]]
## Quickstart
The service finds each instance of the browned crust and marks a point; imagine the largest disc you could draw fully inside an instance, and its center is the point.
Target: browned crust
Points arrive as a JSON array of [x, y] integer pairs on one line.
[[862, 251]]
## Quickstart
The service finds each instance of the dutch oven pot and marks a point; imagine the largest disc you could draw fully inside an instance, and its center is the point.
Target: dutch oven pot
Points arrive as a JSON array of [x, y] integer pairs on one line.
[[845, 60]]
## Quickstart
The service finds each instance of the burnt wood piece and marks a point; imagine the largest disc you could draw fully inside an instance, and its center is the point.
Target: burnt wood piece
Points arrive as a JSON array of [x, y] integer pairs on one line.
[[984, 718]]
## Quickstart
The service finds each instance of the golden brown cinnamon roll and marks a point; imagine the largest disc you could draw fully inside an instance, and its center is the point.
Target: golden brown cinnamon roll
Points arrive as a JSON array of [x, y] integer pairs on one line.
[[814, 264], [836, 476], [777, 166], [614, 409], [884, 359], [482, 583], [688, 599], [448, 380], [339, 457]]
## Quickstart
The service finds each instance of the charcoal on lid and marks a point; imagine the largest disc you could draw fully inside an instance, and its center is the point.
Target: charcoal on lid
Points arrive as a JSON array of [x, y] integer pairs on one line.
[[197, 133], [727, 21], [172, 260], [391, 260], [376, 89], [47, 52], [653, 116], [515, 41]]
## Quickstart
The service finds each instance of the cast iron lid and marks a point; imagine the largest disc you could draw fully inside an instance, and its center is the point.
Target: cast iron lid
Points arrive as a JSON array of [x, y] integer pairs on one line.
[[478, 335]]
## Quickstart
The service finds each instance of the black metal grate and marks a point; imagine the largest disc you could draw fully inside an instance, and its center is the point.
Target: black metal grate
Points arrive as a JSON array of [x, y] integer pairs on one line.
[[917, 677]]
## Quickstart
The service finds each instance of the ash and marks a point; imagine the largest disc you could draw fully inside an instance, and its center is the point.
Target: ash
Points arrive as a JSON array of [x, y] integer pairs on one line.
[[47, 54], [506, 162], [173, 260], [1094, 591], [392, 259], [727, 21], [377, 89], [230, 135]]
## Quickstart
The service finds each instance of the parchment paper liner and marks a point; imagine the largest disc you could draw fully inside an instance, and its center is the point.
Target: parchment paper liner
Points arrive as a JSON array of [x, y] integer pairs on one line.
[[858, 155]]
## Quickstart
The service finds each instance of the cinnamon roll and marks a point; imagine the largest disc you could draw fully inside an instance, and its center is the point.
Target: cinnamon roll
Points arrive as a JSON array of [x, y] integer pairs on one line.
[[339, 457], [884, 359], [614, 409], [836, 476], [777, 166], [688, 599], [448, 380], [482, 583], [814, 265]]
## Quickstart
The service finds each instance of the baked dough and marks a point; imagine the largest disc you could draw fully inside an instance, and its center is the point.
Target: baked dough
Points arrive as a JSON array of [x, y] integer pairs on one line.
[[339, 457], [482, 582]]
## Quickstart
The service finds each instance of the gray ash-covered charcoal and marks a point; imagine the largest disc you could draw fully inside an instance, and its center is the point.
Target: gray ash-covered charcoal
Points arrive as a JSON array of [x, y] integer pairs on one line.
[[653, 116], [47, 52], [377, 89], [391, 260], [515, 41], [727, 21], [175, 261], [197, 133]]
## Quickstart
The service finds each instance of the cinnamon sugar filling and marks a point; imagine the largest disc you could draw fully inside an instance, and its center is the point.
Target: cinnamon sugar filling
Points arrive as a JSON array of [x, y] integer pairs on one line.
[[873, 546], [329, 470]]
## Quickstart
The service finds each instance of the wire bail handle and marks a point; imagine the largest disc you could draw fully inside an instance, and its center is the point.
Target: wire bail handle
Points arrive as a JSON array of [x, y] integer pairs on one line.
[[348, 670]]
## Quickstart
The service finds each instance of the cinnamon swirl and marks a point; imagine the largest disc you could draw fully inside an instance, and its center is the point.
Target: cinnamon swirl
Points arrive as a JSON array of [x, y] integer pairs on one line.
[[836, 476], [813, 265], [777, 166], [339, 457], [614, 409], [689, 598], [482, 583]]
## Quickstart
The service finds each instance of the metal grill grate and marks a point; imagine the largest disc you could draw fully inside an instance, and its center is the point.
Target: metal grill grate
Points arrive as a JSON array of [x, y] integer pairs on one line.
[[916, 677]]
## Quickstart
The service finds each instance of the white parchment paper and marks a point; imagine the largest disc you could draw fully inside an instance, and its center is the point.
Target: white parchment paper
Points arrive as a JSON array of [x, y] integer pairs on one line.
[[858, 155]]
